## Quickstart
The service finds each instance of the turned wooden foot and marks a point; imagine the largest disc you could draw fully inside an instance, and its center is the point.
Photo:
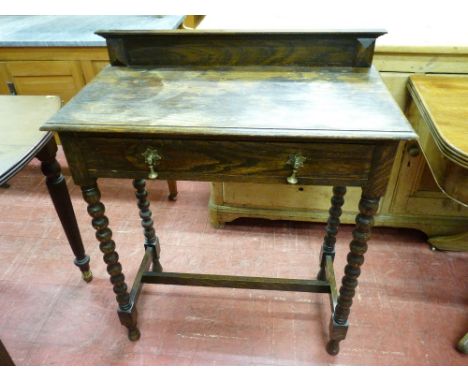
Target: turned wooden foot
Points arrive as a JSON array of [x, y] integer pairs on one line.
[[333, 223], [128, 318], [172, 190], [134, 334], [61, 199], [333, 347]]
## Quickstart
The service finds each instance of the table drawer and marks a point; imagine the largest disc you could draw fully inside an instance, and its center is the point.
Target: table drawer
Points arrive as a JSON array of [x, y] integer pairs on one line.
[[238, 161]]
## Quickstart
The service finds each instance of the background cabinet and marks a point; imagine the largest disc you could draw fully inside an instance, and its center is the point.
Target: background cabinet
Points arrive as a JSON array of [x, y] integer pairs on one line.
[[412, 200], [62, 78], [49, 70]]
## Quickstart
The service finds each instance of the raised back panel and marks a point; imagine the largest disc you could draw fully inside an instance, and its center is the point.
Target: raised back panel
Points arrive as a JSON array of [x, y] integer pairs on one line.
[[211, 48]]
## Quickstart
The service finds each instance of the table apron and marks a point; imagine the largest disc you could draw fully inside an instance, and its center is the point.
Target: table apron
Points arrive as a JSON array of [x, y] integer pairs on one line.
[[320, 163]]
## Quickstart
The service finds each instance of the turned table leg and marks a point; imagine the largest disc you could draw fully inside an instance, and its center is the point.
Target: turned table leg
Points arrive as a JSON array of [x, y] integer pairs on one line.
[[61, 198], [361, 234], [127, 310], [151, 240], [172, 189], [328, 246]]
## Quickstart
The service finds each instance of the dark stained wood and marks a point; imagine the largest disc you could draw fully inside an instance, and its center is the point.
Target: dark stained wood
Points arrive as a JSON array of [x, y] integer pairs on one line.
[[58, 192], [328, 246], [151, 240], [330, 277], [127, 311], [382, 161], [243, 282], [114, 156], [144, 267], [5, 358], [172, 190], [364, 221], [253, 103], [236, 107], [231, 48]]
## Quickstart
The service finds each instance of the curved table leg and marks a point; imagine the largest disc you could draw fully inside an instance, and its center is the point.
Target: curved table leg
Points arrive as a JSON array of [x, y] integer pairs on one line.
[[61, 198]]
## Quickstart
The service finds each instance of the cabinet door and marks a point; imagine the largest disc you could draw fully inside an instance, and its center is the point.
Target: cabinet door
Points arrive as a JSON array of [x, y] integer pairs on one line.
[[62, 78], [4, 79], [417, 193]]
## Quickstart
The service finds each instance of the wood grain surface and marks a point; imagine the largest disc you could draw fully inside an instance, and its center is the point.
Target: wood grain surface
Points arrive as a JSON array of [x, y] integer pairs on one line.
[[250, 102], [443, 103], [241, 48], [99, 155], [439, 114]]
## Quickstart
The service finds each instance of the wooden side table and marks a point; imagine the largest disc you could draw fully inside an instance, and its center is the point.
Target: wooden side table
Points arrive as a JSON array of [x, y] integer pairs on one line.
[[268, 107], [21, 141]]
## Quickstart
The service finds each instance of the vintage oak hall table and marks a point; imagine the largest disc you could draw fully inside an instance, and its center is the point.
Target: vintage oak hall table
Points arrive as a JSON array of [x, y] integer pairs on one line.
[[268, 107]]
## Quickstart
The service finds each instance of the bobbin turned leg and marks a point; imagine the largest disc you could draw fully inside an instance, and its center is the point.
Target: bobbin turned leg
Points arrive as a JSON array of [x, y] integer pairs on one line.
[[339, 320], [328, 246], [151, 240], [61, 198], [127, 310]]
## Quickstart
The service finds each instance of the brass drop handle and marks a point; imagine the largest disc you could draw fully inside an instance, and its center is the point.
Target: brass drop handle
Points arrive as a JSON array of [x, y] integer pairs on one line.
[[152, 157], [296, 161]]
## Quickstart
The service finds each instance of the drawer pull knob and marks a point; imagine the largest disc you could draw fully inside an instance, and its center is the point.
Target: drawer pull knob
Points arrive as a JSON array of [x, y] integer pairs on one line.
[[413, 150], [296, 161], [152, 157]]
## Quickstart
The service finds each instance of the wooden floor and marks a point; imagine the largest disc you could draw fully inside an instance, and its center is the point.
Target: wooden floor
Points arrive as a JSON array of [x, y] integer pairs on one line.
[[410, 309]]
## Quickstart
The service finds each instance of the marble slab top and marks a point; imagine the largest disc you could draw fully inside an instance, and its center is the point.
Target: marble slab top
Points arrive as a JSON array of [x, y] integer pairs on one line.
[[19, 31]]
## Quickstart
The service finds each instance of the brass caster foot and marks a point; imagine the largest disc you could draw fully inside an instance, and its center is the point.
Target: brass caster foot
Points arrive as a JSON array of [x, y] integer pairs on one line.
[[87, 276], [172, 197], [134, 334], [333, 347], [462, 345], [321, 275]]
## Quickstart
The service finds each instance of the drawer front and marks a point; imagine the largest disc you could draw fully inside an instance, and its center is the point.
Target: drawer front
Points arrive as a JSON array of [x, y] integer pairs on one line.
[[237, 161]]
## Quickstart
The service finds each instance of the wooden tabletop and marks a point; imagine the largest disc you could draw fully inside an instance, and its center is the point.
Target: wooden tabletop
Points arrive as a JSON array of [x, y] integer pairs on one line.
[[443, 101], [288, 101], [20, 138]]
